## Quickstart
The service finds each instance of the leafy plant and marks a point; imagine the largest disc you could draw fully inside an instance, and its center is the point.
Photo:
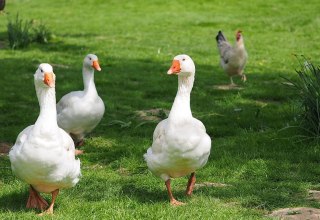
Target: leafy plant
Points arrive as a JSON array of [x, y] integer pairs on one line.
[[41, 34], [308, 90], [19, 33]]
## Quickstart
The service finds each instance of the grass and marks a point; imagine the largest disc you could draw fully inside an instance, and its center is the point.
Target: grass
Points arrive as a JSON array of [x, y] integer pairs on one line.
[[307, 89], [23, 32], [19, 34], [264, 166]]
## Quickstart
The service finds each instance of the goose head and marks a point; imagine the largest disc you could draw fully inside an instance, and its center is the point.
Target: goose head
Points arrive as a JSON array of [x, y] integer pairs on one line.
[[91, 62], [44, 76], [182, 65]]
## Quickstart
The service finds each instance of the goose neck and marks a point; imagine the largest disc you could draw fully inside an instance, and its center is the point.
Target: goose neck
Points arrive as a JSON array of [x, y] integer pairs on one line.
[[88, 80], [181, 105], [47, 102]]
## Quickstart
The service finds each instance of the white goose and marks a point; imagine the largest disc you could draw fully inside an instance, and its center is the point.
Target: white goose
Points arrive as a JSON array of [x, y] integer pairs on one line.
[[44, 154], [80, 112], [180, 142]]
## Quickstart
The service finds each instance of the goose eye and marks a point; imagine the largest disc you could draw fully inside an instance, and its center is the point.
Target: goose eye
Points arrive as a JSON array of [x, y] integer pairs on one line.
[[89, 58], [41, 70], [183, 59]]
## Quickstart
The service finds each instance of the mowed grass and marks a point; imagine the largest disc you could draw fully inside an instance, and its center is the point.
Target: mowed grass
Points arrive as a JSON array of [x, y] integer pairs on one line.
[[264, 166]]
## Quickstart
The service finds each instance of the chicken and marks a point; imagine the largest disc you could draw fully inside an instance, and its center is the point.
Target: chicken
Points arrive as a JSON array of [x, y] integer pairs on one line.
[[232, 58]]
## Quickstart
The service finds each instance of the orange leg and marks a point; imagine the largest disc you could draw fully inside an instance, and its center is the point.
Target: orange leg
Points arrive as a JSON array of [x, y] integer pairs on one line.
[[78, 152], [49, 211], [77, 144], [173, 201], [191, 182], [35, 200]]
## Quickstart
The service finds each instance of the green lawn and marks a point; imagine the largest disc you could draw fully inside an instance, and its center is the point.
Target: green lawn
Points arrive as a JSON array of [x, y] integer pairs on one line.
[[264, 166]]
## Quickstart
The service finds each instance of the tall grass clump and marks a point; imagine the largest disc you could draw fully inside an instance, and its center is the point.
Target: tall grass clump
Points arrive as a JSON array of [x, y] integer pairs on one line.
[[19, 32], [308, 90], [42, 34]]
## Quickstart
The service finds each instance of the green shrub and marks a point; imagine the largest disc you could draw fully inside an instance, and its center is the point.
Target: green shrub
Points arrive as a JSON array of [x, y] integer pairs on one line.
[[308, 90], [19, 33], [22, 33], [41, 34]]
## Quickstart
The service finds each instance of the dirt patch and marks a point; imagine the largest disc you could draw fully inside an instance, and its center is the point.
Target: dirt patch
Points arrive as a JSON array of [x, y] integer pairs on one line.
[[101, 37], [299, 213], [2, 44], [227, 87], [314, 195], [287, 83], [60, 65], [210, 184], [123, 171], [265, 102], [296, 213], [156, 114], [5, 148]]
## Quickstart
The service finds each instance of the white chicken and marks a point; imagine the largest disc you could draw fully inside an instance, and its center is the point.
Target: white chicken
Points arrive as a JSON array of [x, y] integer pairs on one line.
[[232, 58]]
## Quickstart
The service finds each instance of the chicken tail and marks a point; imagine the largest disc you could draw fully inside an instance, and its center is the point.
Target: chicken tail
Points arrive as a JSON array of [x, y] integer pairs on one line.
[[220, 37]]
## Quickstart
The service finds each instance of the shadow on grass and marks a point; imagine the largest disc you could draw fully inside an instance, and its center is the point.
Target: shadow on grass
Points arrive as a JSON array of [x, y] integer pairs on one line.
[[143, 194], [61, 46], [4, 43], [129, 85], [93, 188], [14, 202], [18, 102]]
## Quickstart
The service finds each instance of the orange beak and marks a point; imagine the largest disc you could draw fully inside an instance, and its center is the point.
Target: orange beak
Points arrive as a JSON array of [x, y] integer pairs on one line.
[[175, 67], [96, 65], [49, 79]]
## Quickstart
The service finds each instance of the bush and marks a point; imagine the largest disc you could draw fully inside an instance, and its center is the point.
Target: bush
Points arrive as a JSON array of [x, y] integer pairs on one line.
[[19, 33], [22, 33], [308, 90], [41, 34]]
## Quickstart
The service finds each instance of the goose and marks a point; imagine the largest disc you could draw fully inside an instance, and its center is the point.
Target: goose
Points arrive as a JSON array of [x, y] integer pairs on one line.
[[79, 112], [44, 155], [180, 142]]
